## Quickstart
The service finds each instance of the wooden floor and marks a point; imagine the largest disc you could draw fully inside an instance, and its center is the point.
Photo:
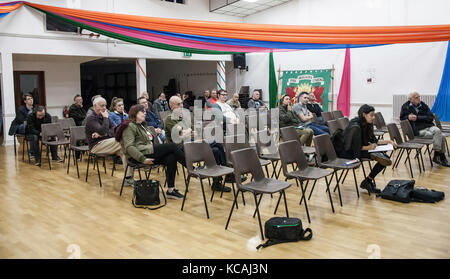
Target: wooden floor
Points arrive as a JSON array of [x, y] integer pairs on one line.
[[49, 214]]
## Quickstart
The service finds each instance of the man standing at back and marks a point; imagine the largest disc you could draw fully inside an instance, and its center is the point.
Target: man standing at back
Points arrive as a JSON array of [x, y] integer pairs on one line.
[[421, 119], [100, 136]]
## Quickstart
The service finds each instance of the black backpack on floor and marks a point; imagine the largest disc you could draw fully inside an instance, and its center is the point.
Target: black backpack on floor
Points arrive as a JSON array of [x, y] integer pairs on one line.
[[420, 194], [283, 229], [398, 190], [146, 194]]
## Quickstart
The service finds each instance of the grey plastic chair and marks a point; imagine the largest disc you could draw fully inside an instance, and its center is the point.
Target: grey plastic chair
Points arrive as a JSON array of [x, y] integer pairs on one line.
[[246, 161], [291, 154], [49, 132], [408, 136]]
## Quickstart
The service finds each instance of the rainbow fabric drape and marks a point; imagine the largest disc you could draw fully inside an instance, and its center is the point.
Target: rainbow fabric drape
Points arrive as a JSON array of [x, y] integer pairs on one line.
[[208, 37]]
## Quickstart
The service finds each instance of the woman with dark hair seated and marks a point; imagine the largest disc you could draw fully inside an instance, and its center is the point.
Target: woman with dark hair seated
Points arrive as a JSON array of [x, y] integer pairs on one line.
[[359, 139], [137, 142]]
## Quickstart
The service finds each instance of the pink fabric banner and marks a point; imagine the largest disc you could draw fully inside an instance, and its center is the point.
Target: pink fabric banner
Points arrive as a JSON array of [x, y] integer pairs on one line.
[[343, 101]]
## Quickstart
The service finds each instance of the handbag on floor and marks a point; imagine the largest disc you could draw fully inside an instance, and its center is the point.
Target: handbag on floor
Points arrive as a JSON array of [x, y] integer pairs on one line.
[[283, 229], [146, 194], [398, 190]]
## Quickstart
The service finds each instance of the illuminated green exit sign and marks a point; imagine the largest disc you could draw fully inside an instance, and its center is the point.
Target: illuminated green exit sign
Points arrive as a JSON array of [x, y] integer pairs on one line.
[[187, 54]]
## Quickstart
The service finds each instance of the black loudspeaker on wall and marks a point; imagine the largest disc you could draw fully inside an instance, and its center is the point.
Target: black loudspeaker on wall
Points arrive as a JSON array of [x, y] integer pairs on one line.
[[239, 61]]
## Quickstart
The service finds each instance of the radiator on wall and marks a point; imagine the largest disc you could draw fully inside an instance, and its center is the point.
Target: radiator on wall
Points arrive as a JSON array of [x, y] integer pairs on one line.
[[399, 100]]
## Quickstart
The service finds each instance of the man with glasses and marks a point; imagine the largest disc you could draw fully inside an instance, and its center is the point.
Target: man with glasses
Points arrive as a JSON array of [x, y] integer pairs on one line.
[[100, 136], [421, 119]]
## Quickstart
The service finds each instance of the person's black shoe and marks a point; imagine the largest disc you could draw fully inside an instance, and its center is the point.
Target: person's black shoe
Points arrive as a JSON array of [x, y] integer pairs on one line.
[[381, 158], [437, 158], [443, 160], [369, 186], [230, 178], [217, 186], [175, 194], [118, 160]]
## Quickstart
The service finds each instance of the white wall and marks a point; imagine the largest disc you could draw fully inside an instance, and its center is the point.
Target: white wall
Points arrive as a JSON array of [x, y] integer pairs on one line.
[[195, 76], [399, 69], [62, 77]]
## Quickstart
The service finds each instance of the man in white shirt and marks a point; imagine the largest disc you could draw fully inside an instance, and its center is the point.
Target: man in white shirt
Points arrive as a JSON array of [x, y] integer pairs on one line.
[[229, 116]]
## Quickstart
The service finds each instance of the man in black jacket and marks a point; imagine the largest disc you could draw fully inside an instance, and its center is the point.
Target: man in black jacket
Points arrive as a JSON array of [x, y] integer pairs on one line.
[[76, 110], [314, 107], [421, 119], [33, 132], [17, 126]]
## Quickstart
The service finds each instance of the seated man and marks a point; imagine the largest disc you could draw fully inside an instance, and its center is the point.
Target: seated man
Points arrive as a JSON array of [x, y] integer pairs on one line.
[[100, 135], [314, 107], [305, 116], [152, 120], [76, 110], [174, 123], [33, 133], [160, 105], [17, 126], [234, 101], [212, 100], [421, 119], [204, 98], [289, 118], [137, 142], [255, 101]]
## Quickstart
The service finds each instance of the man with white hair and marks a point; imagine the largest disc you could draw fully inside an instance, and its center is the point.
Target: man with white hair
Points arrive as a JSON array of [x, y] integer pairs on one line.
[[100, 135], [421, 119]]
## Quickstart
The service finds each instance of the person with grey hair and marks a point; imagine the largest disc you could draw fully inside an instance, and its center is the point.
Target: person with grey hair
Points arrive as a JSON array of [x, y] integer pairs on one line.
[[100, 135], [421, 119], [160, 105], [255, 101]]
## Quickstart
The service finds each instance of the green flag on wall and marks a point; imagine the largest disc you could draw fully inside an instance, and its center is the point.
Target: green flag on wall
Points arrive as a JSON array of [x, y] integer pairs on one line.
[[272, 83], [317, 81]]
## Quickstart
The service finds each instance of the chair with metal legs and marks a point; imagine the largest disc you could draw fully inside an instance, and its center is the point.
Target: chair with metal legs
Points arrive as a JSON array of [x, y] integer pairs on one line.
[[246, 161], [197, 152], [291, 154], [327, 158], [408, 136], [77, 135], [394, 134]]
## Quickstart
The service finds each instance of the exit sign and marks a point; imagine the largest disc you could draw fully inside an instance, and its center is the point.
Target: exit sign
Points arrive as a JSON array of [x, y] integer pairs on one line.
[[187, 54]]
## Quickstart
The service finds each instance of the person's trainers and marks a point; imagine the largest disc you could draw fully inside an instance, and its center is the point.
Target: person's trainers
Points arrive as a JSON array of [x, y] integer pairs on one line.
[[57, 159], [128, 182], [175, 194], [218, 187], [37, 163], [381, 158], [230, 178]]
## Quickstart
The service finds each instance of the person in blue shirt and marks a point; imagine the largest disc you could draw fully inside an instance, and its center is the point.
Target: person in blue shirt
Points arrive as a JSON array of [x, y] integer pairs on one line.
[[116, 112], [152, 119]]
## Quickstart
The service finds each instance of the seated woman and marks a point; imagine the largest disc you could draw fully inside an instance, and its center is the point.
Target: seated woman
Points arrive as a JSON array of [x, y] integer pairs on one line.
[[137, 143], [116, 112], [359, 139]]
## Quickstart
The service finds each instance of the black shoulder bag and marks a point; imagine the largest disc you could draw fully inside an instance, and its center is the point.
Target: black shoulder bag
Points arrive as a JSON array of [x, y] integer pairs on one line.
[[283, 229], [146, 194], [398, 190]]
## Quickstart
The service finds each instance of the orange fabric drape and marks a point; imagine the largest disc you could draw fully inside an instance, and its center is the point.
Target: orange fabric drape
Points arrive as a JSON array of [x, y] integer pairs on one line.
[[263, 32]]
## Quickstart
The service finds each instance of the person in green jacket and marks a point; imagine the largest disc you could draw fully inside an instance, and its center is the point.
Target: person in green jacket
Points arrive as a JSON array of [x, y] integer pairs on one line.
[[289, 118], [137, 143]]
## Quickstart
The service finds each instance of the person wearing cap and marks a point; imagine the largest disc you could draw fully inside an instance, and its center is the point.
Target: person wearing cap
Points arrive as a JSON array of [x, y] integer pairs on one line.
[[289, 118], [359, 139], [306, 116]]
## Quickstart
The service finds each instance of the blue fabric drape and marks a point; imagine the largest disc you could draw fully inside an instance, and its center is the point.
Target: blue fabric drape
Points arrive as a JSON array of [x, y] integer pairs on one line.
[[441, 106]]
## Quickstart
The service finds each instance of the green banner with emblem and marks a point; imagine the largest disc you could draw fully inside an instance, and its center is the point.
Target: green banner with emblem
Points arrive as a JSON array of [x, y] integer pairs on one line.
[[317, 81]]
